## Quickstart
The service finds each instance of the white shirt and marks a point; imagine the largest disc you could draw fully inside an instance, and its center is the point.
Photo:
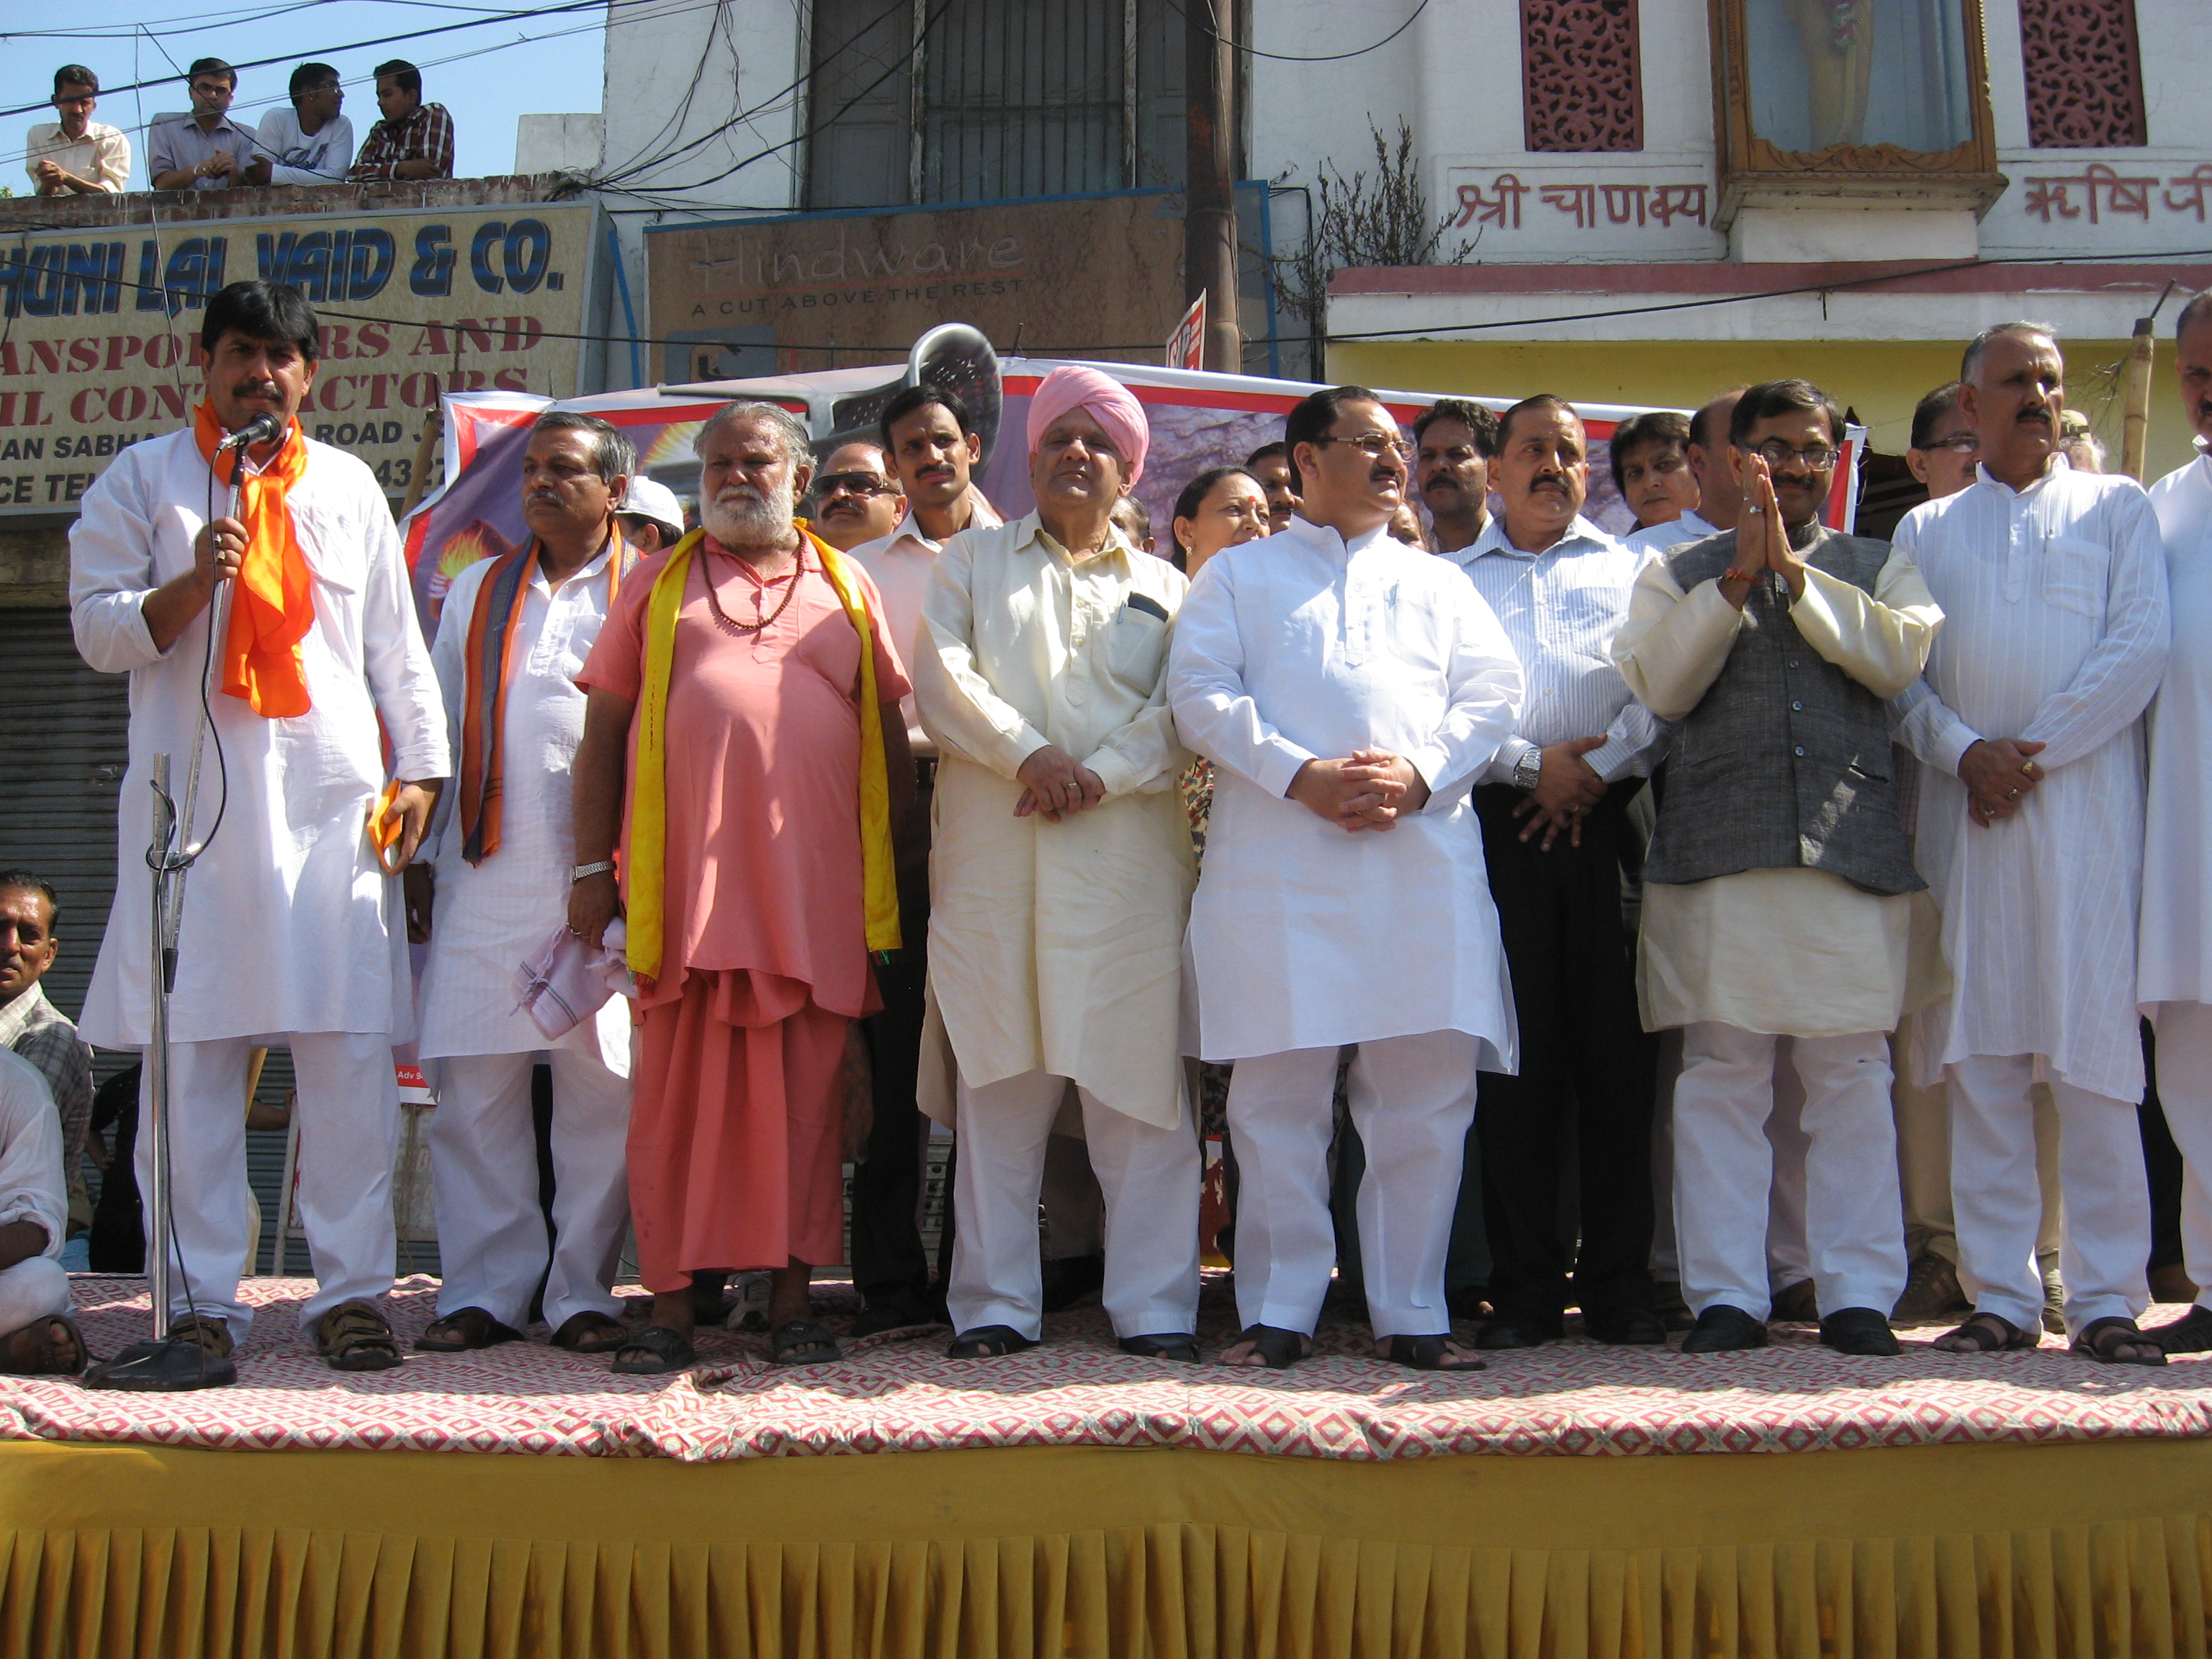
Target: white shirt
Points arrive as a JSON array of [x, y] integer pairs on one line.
[[901, 564], [1561, 608], [31, 1187], [289, 924], [2055, 610], [1659, 538], [2176, 951], [295, 157], [488, 918], [1055, 945], [1300, 646], [101, 157]]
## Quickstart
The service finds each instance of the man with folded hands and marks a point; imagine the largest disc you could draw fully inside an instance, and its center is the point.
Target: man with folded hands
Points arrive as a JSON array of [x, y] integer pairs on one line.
[[513, 633], [1779, 894]]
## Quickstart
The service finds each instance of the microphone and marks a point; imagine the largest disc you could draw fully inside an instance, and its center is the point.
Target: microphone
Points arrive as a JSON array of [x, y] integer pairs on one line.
[[263, 429]]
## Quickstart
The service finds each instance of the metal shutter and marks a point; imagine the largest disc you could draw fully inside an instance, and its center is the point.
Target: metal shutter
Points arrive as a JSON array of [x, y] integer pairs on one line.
[[63, 743]]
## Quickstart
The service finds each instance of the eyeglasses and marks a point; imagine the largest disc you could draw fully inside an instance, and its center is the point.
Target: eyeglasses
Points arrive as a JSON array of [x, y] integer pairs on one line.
[[1775, 453], [1960, 443], [852, 484], [1372, 445]]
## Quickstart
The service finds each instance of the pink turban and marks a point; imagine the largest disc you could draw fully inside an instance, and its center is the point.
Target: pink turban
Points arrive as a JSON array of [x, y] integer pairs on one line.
[[1105, 399]]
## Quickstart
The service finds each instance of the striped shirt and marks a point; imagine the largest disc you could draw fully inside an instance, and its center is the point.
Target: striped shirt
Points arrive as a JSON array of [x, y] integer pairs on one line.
[[1561, 609], [2054, 600], [41, 1034], [425, 136]]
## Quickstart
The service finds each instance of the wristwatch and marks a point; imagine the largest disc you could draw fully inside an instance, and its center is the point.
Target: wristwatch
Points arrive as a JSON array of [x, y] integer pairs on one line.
[[583, 870], [1527, 769]]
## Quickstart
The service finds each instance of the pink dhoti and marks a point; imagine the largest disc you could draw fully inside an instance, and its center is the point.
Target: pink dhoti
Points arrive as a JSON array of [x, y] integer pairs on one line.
[[736, 1129]]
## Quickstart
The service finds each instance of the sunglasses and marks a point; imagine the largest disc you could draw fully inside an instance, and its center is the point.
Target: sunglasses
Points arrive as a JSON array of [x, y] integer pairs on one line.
[[852, 484]]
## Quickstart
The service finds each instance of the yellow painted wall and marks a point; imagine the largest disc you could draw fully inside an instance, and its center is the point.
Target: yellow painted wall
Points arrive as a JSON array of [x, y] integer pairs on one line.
[[1881, 380]]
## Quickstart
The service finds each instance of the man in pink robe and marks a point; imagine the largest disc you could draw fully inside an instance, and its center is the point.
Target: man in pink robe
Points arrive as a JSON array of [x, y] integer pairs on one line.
[[738, 1120]]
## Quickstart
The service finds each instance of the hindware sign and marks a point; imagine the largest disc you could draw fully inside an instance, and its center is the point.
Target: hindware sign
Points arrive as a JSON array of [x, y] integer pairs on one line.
[[1084, 276], [100, 328]]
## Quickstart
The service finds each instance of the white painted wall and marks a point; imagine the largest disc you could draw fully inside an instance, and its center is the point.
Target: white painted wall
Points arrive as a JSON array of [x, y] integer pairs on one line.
[[558, 143]]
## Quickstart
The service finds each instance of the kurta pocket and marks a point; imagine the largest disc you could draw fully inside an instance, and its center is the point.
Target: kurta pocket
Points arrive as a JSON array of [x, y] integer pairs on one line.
[[2075, 574], [1136, 643]]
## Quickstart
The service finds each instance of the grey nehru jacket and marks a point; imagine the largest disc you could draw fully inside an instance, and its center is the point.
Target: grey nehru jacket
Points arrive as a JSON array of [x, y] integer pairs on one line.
[[1786, 762]]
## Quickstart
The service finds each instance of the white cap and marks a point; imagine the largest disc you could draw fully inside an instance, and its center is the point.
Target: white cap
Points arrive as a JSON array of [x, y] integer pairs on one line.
[[652, 500]]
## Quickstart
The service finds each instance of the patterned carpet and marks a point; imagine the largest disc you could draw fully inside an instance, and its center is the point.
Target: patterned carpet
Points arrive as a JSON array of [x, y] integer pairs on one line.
[[897, 1392]]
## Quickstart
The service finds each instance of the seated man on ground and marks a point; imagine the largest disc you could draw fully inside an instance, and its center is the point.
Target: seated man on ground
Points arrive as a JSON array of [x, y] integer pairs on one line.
[[37, 1335]]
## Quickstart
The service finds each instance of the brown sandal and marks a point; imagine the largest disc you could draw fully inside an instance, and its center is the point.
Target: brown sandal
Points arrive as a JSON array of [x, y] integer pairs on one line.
[[2103, 1339], [591, 1333], [464, 1331], [30, 1351], [1986, 1333], [354, 1336]]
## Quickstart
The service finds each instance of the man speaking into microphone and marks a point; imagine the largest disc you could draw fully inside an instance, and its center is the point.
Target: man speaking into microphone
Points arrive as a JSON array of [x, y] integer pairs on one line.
[[291, 931]]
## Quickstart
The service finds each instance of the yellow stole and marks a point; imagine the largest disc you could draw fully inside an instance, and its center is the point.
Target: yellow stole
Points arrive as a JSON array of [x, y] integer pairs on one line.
[[649, 825]]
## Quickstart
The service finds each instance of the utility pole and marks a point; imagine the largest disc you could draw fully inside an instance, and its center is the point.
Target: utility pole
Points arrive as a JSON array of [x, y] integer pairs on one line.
[[1209, 228]]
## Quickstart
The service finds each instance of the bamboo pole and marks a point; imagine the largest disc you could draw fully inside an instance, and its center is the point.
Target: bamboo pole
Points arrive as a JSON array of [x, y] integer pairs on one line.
[[2135, 429]]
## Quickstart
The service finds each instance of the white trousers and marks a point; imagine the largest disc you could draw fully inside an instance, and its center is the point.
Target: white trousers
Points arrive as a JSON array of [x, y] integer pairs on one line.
[[2184, 1089], [1923, 1166], [1998, 1203], [483, 1166], [1150, 1177], [1724, 1169], [348, 1115], [32, 1288], [1411, 1100]]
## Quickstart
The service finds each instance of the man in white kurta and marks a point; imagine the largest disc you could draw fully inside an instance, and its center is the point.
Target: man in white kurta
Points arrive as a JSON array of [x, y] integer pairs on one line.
[[37, 1334], [2175, 960], [2052, 585], [506, 850], [1348, 690], [1779, 895], [1060, 877], [291, 930]]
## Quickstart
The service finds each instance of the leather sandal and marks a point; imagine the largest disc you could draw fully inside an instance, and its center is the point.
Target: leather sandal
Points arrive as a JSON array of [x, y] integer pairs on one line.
[[32, 1350], [2105, 1339], [655, 1352], [1429, 1353], [1278, 1349], [1183, 1350], [464, 1331], [988, 1342], [803, 1342], [1987, 1333], [355, 1336], [591, 1333]]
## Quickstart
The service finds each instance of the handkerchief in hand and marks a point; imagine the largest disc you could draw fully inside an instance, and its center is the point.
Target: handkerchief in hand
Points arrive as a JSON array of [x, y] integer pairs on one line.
[[565, 982]]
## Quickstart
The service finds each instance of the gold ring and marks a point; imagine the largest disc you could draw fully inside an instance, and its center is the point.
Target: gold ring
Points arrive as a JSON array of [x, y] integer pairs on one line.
[[2012, 794], [2027, 768]]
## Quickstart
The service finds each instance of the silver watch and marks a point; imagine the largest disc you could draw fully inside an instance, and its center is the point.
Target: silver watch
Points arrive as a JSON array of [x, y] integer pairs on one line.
[[1527, 769], [583, 870]]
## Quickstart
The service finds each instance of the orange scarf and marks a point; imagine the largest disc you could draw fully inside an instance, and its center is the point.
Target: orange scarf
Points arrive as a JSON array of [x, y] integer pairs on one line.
[[273, 606]]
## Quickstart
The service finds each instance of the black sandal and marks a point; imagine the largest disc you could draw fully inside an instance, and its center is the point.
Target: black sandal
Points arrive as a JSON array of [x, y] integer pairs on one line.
[[2103, 1338], [655, 1352], [988, 1342], [1277, 1349], [802, 1342], [464, 1331], [1183, 1350], [1427, 1354], [1987, 1333]]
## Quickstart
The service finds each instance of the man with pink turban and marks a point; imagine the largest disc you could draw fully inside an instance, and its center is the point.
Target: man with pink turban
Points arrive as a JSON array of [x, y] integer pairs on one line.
[[1060, 879]]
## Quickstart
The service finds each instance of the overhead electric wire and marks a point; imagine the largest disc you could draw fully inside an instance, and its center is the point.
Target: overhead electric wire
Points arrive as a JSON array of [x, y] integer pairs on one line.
[[1213, 28]]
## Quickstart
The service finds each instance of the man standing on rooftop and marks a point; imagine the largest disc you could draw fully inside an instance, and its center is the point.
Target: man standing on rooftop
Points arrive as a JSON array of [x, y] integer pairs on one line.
[[415, 140]]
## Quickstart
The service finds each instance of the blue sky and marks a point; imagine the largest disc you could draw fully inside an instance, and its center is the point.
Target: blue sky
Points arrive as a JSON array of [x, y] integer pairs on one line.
[[487, 75]]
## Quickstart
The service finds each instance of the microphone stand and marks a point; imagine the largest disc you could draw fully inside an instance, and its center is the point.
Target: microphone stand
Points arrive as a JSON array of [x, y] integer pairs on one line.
[[167, 1365]]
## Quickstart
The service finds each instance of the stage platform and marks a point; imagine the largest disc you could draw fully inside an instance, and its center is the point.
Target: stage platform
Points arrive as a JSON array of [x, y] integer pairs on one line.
[[1572, 1501]]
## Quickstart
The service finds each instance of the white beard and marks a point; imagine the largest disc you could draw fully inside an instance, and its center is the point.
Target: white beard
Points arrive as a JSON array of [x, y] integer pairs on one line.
[[762, 521]]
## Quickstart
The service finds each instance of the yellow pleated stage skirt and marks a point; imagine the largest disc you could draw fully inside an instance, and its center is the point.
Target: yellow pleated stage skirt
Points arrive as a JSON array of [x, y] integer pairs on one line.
[[2078, 1550]]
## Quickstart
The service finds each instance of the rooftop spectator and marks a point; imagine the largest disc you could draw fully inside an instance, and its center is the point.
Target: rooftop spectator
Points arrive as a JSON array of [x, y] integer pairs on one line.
[[309, 143], [77, 155], [204, 149], [415, 140]]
